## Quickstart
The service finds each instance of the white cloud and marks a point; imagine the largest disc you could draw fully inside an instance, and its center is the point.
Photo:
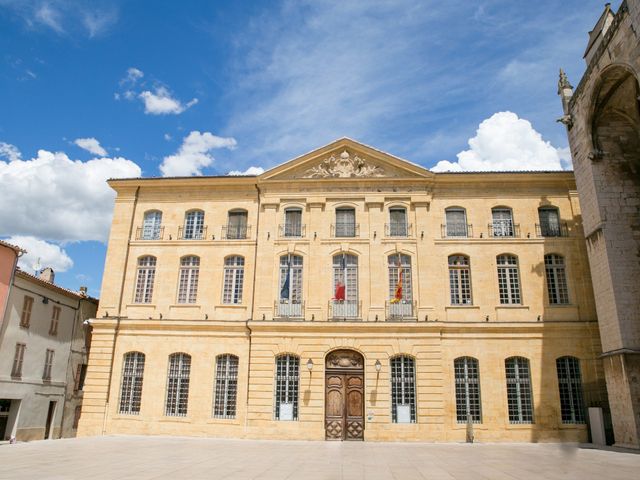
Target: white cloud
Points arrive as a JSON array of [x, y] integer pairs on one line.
[[40, 252], [248, 171], [133, 75], [90, 145], [56, 198], [162, 103], [48, 15], [98, 22], [167, 137], [10, 152], [194, 154], [505, 142]]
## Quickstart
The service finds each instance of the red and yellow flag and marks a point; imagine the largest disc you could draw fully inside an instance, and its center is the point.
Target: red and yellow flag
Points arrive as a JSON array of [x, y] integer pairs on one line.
[[398, 294]]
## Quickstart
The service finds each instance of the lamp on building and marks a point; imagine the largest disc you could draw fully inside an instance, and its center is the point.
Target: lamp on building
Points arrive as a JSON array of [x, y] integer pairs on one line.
[[378, 366], [310, 365]]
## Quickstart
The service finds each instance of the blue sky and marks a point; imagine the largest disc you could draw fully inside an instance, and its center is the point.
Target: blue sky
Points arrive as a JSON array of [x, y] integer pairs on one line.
[[91, 90]]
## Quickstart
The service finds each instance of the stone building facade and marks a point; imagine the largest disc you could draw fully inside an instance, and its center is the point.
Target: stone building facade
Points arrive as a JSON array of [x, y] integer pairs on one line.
[[346, 294], [603, 123]]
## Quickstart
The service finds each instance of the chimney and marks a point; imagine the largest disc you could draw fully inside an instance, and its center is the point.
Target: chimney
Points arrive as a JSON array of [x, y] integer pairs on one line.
[[47, 274], [83, 291]]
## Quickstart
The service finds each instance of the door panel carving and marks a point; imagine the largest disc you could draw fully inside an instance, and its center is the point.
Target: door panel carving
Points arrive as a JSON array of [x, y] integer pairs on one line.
[[344, 398]]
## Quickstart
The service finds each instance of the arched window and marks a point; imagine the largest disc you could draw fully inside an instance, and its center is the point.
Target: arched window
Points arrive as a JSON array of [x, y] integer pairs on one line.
[[226, 386], [178, 385], [237, 225], [194, 225], [131, 387], [502, 222], [467, 378], [519, 398], [286, 387], [403, 389], [233, 279], [460, 280], [400, 288], [570, 386], [549, 222], [152, 225], [557, 289], [292, 223], [345, 222], [345, 286], [145, 278], [455, 222], [398, 225], [188, 286], [290, 293], [508, 279]]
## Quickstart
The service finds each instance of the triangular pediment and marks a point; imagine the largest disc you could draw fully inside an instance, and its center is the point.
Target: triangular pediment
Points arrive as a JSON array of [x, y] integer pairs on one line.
[[345, 159]]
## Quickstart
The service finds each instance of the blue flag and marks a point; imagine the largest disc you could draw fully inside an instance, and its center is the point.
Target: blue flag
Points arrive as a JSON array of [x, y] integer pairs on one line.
[[284, 291]]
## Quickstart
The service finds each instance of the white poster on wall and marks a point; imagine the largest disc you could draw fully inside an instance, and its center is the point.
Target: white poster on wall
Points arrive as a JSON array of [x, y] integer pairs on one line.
[[286, 411], [403, 413]]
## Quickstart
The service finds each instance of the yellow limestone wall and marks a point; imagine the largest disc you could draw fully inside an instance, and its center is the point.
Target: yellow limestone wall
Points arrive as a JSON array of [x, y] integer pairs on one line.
[[440, 333]]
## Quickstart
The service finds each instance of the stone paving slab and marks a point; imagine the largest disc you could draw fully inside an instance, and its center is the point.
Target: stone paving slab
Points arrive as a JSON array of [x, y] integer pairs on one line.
[[151, 458]]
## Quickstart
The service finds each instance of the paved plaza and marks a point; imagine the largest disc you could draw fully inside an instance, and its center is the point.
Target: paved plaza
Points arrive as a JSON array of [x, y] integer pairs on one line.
[[140, 458]]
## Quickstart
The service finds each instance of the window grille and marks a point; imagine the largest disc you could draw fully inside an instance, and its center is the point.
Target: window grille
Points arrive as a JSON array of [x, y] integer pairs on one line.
[[144, 281], [345, 222], [188, 285], [226, 386], [519, 399], [18, 360], [55, 320], [178, 385], [508, 279], [233, 279], [460, 280], [293, 222], [151, 225], [403, 387], [237, 225], [345, 272], [287, 383], [291, 269], [25, 317], [467, 378], [549, 222], [131, 388], [570, 385], [556, 279], [48, 364], [194, 225], [398, 226], [502, 222], [456, 222]]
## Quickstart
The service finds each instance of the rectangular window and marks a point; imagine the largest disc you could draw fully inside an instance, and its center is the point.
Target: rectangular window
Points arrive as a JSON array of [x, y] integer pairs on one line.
[[25, 317], [459, 280], [286, 385], [345, 222], [178, 385], [508, 279], [18, 359], [398, 222], [237, 225], [557, 289], [233, 280], [403, 390], [48, 364], [456, 222], [549, 222], [55, 320], [188, 284], [145, 278], [226, 387], [293, 223], [519, 398], [131, 387], [502, 225], [570, 385], [467, 378]]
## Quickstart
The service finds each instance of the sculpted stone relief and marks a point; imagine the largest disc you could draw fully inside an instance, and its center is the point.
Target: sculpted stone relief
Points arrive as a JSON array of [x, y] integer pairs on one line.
[[344, 359], [344, 166]]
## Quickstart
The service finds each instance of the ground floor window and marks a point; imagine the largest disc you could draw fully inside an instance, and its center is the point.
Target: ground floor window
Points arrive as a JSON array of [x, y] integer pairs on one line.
[[467, 379], [286, 387], [403, 389]]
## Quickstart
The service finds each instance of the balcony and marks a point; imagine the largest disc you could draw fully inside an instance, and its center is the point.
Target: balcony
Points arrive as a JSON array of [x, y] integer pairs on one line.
[[236, 232], [344, 310], [504, 230], [149, 233], [398, 229], [547, 230], [345, 230], [404, 310], [190, 233], [286, 310], [292, 230], [456, 230]]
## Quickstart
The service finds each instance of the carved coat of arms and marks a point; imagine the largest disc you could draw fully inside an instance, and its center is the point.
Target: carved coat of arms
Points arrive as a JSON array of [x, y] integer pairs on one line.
[[344, 166]]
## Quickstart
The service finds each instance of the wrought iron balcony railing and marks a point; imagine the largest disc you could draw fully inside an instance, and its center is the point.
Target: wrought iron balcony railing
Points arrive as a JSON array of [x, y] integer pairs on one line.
[[547, 230], [398, 229], [236, 232], [456, 230], [288, 310], [292, 230], [192, 233], [345, 309], [149, 233], [345, 230], [403, 310], [504, 230]]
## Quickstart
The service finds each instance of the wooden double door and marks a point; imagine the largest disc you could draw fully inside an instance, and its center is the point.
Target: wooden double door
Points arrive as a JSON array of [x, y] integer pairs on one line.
[[344, 399]]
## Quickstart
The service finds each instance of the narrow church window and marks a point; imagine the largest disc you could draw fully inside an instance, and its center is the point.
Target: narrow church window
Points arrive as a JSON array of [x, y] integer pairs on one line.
[[570, 386], [226, 386], [178, 385], [557, 289], [188, 286], [131, 388], [403, 389], [519, 399], [145, 278], [508, 279], [460, 280], [233, 280], [467, 378], [286, 387]]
